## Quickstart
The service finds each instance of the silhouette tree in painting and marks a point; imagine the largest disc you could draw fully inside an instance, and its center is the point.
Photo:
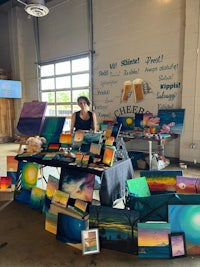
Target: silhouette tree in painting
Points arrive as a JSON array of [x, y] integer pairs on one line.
[[117, 227]]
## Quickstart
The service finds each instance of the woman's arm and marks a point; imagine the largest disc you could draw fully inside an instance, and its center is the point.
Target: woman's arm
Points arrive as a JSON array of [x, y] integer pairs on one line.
[[94, 121], [73, 118]]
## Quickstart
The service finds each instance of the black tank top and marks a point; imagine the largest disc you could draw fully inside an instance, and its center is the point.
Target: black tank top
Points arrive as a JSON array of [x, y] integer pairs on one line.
[[83, 124]]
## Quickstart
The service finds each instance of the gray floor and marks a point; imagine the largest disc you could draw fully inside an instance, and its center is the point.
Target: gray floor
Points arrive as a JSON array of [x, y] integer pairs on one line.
[[25, 242]]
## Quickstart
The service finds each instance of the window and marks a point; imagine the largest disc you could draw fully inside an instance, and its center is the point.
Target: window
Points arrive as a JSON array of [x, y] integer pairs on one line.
[[62, 82]]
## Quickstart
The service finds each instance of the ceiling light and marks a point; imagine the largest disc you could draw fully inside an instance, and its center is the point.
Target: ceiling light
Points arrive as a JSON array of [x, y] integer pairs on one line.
[[36, 10]]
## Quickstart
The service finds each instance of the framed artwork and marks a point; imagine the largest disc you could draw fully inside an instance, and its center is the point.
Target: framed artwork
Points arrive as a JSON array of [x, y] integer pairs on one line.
[[177, 244], [90, 241]]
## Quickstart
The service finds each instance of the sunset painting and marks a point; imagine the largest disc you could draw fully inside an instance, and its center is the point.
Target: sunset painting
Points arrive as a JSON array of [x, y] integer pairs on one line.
[[153, 241], [161, 180], [117, 227]]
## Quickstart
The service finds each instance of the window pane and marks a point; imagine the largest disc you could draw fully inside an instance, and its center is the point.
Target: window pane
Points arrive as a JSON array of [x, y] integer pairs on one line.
[[80, 80], [81, 64], [47, 70], [64, 110], [67, 125], [63, 82], [62, 67], [77, 93], [48, 97], [63, 96], [47, 84], [50, 111], [75, 108]]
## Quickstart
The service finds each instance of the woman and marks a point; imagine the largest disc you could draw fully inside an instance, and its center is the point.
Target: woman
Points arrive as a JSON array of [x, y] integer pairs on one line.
[[84, 119]]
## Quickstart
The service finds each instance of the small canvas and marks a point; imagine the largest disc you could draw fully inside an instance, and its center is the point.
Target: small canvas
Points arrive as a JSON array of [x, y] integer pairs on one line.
[[128, 123], [187, 185], [5, 183], [175, 116], [12, 167], [138, 187], [95, 149], [139, 120], [116, 130], [52, 186], [29, 175], [53, 147], [60, 198], [37, 198], [185, 218], [51, 223], [91, 137], [79, 206], [69, 228], [153, 241], [65, 138], [78, 159], [109, 141], [146, 119], [109, 155], [85, 160], [78, 137], [49, 156]]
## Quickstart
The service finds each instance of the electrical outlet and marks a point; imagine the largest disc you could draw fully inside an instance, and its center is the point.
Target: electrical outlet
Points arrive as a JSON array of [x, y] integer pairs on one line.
[[192, 146]]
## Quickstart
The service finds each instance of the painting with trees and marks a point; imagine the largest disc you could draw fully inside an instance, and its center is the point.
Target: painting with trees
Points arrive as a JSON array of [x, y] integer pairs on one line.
[[117, 227]]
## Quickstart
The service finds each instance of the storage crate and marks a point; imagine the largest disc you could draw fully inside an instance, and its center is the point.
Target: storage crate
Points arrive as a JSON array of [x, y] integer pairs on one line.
[[135, 156]]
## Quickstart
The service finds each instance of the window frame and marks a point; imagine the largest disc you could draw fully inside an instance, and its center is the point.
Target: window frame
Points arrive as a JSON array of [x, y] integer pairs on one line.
[[72, 104]]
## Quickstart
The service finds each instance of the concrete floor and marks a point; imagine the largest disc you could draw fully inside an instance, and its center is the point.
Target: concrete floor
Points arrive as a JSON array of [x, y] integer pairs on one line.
[[26, 243]]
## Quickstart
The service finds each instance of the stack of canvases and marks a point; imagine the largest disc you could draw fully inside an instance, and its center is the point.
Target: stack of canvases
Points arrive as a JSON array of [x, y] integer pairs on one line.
[[71, 217], [168, 204], [7, 182]]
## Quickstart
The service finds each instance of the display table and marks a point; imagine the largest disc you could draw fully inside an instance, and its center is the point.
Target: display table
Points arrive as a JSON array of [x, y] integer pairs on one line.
[[112, 179]]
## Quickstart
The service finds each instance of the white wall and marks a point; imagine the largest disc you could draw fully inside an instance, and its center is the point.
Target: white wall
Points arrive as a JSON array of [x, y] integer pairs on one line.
[[191, 84], [160, 37]]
